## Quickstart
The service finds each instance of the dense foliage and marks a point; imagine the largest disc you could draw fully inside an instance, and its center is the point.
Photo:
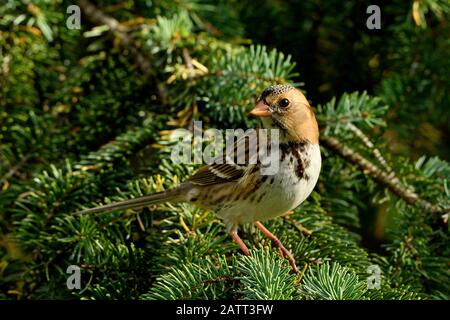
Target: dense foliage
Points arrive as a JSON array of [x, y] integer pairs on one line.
[[87, 116]]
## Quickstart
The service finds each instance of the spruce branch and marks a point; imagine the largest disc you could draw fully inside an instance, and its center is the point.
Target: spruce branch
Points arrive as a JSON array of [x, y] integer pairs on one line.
[[143, 61], [376, 152], [193, 280], [332, 282], [386, 179]]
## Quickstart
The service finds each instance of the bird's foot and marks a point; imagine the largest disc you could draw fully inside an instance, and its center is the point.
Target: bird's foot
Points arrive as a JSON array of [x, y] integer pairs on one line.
[[285, 253]]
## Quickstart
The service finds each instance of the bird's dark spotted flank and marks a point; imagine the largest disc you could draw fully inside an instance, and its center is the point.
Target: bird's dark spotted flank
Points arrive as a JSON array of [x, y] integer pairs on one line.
[[221, 198], [256, 185], [263, 194]]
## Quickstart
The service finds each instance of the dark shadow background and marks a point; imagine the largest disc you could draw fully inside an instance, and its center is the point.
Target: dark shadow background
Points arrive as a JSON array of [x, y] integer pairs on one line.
[[404, 63]]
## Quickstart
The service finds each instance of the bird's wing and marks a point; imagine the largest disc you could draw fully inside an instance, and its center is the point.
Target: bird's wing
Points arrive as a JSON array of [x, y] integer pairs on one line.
[[232, 166], [215, 174]]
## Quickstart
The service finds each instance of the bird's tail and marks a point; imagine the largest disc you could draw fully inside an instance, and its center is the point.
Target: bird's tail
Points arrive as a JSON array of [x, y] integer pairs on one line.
[[137, 203]]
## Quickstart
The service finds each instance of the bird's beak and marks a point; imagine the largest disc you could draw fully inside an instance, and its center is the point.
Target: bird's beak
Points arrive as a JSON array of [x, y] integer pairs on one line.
[[261, 109]]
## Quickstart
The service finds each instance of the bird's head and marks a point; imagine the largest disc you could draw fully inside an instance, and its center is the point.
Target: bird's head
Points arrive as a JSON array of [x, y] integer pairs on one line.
[[285, 108]]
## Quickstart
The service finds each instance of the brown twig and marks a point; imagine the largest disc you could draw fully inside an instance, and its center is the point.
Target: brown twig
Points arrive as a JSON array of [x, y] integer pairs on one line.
[[15, 169], [365, 139], [386, 179], [188, 61], [144, 62]]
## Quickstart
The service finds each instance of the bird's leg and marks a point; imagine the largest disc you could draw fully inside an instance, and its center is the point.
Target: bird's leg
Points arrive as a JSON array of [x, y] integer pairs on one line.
[[277, 243], [234, 235]]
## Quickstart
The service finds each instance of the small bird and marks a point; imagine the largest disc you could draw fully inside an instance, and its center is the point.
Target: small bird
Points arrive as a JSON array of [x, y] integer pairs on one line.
[[241, 194]]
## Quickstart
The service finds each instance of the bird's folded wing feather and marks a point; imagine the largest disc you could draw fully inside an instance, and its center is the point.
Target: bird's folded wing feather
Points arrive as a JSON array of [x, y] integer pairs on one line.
[[225, 169]]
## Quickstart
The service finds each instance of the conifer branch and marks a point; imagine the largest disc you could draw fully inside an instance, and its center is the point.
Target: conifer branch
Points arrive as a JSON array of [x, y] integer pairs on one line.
[[386, 179], [144, 62], [376, 152]]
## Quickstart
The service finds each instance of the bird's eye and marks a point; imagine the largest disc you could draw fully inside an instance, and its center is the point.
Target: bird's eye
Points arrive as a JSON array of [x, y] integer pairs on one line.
[[284, 103]]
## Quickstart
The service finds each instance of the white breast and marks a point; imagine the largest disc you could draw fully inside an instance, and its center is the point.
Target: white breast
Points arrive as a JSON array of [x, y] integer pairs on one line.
[[284, 193]]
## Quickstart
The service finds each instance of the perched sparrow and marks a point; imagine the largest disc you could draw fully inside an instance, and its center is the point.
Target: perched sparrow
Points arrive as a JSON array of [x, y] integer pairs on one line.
[[242, 194]]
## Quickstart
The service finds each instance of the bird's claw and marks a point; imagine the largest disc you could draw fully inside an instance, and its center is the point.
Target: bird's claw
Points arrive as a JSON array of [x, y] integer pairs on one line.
[[285, 253]]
